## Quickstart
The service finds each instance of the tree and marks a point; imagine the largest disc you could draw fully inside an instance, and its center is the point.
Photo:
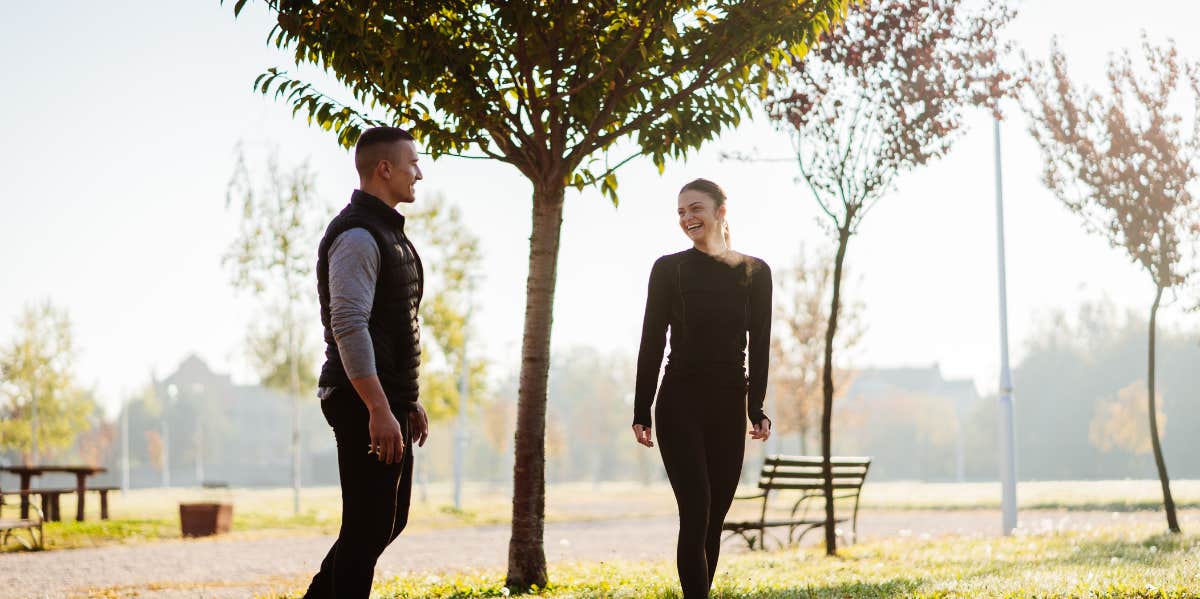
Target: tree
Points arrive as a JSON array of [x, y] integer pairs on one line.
[[550, 88], [154, 449], [267, 344], [880, 95], [271, 257], [1116, 423], [797, 346], [42, 405], [1123, 161], [96, 444], [453, 263]]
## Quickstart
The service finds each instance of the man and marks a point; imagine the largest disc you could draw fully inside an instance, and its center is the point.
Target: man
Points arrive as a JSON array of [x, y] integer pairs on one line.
[[370, 281]]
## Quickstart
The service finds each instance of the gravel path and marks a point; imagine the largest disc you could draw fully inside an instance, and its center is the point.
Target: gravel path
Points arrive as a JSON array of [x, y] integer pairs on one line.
[[225, 568]]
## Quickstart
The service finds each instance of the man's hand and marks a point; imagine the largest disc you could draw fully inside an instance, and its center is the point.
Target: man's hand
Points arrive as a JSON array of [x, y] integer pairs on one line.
[[642, 434], [387, 440], [420, 424]]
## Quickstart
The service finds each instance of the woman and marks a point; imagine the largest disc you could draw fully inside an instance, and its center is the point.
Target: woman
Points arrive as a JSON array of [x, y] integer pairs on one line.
[[710, 297]]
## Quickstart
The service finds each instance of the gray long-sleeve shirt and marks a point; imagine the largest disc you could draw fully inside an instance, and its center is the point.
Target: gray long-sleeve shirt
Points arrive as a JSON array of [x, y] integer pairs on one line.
[[353, 272]]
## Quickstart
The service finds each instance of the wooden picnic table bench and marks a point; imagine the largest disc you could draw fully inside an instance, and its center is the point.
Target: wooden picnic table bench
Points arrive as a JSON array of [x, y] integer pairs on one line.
[[26, 474], [806, 475], [51, 499], [9, 527]]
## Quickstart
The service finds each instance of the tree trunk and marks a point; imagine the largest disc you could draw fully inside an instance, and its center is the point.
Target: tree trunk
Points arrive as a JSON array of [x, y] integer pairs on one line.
[[526, 555], [33, 426], [827, 388], [1168, 501]]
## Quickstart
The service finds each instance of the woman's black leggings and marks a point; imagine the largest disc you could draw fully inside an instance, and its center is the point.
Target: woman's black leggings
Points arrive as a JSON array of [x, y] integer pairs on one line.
[[701, 429]]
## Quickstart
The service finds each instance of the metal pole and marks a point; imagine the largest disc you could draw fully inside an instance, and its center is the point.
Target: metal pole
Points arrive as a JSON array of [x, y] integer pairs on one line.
[[1008, 458], [125, 446], [33, 422], [294, 391], [199, 454], [460, 432], [172, 391], [775, 403]]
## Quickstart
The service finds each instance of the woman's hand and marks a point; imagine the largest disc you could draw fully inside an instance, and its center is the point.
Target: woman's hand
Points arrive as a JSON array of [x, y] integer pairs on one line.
[[762, 430], [642, 434]]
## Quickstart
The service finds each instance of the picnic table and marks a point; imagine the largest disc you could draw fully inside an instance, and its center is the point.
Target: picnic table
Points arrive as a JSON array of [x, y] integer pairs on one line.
[[26, 474]]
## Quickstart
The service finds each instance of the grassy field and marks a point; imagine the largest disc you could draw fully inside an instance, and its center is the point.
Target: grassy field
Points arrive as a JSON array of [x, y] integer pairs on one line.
[[1105, 495], [151, 514], [1130, 561]]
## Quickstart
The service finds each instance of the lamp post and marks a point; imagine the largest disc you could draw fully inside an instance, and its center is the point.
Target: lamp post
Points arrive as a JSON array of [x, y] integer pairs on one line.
[[1008, 458], [125, 446], [198, 435], [172, 393], [460, 428], [33, 423]]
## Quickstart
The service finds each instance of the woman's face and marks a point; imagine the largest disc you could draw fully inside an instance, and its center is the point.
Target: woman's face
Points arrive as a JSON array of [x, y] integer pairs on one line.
[[699, 217]]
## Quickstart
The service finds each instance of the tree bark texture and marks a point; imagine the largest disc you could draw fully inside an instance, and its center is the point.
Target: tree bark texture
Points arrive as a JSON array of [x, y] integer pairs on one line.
[[827, 388], [526, 554]]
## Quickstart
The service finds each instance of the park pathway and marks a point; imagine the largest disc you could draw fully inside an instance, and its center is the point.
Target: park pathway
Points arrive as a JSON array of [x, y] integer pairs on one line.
[[228, 568]]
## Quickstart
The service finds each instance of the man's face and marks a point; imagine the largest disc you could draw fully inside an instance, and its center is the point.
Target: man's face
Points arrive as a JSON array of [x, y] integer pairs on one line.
[[405, 173]]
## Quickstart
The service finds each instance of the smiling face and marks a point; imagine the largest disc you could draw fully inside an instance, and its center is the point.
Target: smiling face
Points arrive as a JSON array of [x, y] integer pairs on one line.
[[405, 172], [386, 159], [699, 216]]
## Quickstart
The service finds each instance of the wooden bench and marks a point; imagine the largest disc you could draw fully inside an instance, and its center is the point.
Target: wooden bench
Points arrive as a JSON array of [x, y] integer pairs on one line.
[[9, 527], [51, 500], [804, 474]]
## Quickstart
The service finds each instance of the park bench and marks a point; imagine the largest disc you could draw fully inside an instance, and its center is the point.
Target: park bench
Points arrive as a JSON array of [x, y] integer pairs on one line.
[[10, 526], [51, 499], [785, 473]]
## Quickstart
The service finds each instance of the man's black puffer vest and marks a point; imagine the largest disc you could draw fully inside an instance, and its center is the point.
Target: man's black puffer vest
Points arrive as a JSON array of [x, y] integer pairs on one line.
[[393, 323]]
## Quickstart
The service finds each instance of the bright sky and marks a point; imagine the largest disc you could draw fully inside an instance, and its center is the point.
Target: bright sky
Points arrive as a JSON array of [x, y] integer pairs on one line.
[[119, 121]]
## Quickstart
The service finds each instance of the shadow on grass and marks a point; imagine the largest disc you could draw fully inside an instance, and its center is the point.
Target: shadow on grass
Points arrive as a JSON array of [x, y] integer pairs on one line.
[[1110, 506], [896, 587], [1080, 506], [1143, 551]]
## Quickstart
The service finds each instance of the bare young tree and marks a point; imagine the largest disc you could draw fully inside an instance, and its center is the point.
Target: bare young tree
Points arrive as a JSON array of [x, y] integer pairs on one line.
[[798, 345], [878, 96], [271, 257], [454, 267], [1124, 162]]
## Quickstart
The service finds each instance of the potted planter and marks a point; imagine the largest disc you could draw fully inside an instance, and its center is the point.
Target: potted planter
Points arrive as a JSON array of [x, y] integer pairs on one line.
[[205, 518]]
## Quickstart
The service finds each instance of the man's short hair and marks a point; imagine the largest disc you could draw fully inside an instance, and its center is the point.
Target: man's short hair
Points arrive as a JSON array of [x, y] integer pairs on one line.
[[375, 144]]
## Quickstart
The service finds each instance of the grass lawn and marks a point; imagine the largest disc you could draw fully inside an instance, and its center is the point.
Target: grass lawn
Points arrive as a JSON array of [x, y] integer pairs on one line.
[[1103, 495], [152, 514], [1130, 561]]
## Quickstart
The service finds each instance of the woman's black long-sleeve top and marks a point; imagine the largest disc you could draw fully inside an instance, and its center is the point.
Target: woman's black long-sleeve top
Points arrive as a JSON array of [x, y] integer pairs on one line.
[[711, 307]]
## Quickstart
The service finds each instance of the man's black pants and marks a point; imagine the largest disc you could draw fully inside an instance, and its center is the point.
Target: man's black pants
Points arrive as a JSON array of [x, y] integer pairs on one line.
[[375, 500]]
